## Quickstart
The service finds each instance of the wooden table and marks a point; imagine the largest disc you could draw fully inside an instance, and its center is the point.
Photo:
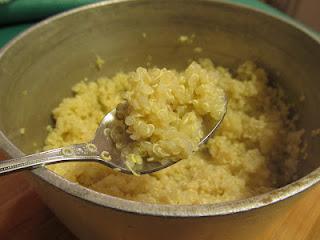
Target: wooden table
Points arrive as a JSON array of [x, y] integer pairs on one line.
[[24, 216]]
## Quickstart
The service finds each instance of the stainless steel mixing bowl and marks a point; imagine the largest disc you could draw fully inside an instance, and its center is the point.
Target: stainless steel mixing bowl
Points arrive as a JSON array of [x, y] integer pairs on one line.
[[49, 58]]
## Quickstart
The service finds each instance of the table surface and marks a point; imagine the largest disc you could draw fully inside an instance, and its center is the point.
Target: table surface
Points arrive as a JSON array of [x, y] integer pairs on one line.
[[24, 216]]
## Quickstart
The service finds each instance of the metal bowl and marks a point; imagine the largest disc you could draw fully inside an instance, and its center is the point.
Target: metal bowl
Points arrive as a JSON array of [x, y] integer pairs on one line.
[[38, 68]]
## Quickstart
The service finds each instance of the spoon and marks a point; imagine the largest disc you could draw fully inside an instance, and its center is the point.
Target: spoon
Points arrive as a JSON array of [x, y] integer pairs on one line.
[[93, 151]]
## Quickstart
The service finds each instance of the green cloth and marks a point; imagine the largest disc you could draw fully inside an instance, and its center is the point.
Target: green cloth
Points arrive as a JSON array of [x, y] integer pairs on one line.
[[7, 33], [4, 1], [17, 11]]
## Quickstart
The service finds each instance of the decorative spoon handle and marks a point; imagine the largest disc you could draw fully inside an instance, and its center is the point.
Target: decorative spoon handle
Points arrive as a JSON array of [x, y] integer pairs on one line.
[[72, 153]]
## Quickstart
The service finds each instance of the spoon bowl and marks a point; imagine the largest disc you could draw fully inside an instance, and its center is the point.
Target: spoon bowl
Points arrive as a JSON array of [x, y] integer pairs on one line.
[[101, 149]]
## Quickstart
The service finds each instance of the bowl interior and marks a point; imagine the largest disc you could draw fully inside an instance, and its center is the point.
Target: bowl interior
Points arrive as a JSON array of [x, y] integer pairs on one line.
[[40, 68]]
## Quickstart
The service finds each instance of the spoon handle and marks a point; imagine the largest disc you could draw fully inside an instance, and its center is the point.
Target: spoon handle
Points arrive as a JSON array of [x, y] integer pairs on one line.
[[77, 152]]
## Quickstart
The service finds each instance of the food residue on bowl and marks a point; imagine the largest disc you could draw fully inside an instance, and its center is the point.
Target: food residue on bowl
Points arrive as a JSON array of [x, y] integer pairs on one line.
[[22, 131], [99, 62], [184, 39]]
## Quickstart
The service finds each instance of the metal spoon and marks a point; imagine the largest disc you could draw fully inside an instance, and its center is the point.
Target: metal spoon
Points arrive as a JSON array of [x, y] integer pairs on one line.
[[91, 151]]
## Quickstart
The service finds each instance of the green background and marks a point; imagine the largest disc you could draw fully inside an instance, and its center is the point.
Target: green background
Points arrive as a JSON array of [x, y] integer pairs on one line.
[[18, 15]]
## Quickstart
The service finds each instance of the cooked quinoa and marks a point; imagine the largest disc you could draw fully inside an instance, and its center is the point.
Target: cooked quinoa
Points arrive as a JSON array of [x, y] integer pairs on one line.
[[255, 150], [164, 114]]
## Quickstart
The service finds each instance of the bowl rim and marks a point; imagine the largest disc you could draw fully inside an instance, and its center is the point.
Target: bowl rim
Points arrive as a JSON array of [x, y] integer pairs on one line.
[[119, 204]]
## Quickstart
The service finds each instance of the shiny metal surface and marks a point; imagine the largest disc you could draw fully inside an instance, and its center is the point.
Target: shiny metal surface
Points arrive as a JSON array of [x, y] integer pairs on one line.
[[216, 125], [82, 152], [78, 152], [49, 58]]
